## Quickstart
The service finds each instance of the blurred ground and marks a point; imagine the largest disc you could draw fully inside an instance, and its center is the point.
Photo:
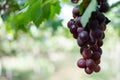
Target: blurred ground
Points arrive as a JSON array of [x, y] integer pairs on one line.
[[55, 59]]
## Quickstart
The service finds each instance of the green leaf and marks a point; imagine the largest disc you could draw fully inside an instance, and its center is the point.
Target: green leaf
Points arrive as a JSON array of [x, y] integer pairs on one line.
[[91, 7], [43, 10], [83, 6], [55, 9], [36, 11]]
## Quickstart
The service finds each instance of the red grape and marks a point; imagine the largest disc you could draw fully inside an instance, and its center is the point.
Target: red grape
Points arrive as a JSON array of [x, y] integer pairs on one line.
[[90, 63], [76, 12], [83, 36], [86, 53], [88, 70], [81, 63], [97, 68]]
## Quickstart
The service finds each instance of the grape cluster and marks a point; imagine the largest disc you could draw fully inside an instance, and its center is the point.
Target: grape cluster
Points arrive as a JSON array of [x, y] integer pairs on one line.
[[90, 38]]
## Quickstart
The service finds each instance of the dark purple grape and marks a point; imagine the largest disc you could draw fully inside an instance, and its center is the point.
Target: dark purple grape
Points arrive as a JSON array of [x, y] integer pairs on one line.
[[98, 1], [76, 12], [97, 68], [94, 48], [102, 27], [70, 23], [90, 63], [97, 33], [97, 61], [81, 63], [104, 7], [101, 1], [74, 1], [82, 48], [84, 36], [100, 17], [96, 56], [99, 50], [75, 35], [80, 29], [73, 29], [88, 70], [92, 41], [80, 42], [93, 24], [99, 43], [86, 53], [77, 22], [93, 15]]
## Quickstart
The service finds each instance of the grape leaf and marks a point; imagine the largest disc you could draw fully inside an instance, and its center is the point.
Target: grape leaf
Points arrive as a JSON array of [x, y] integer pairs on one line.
[[86, 15], [55, 9], [83, 6], [37, 13]]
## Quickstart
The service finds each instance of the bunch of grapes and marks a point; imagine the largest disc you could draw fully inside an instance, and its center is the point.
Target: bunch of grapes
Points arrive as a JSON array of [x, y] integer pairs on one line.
[[90, 38]]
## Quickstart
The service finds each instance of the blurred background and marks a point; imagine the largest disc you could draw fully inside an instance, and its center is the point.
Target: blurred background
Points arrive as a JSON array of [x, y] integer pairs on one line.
[[48, 51]]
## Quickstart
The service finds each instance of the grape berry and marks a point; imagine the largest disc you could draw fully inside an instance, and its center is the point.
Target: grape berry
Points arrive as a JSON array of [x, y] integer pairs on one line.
[[90, 38]]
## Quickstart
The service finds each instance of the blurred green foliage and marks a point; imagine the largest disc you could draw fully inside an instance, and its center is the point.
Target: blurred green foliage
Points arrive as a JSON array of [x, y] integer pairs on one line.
[[18, 16], [115, 16]]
